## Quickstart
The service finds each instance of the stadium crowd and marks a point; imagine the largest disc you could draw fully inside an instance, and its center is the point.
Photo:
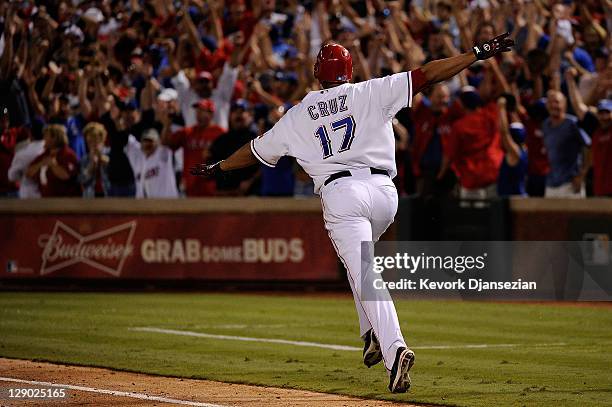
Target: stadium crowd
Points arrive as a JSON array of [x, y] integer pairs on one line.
[[120, 97]]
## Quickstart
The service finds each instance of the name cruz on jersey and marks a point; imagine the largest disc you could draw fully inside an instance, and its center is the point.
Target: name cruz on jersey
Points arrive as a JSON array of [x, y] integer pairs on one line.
[[328, 107]]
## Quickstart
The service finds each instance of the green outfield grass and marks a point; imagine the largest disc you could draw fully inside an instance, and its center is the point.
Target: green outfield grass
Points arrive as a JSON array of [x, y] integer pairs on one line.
[[93, 329]]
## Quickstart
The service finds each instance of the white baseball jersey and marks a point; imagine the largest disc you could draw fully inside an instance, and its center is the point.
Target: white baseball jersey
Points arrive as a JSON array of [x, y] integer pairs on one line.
[[154, 175], [28, 188], [341, 128]]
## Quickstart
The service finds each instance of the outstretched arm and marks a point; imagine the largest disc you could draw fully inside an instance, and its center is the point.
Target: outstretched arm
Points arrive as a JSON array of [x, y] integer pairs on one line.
[[443, 69], [243, 157]]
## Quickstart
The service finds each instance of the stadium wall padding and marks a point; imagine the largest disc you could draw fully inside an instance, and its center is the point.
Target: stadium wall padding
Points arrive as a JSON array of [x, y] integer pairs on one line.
[[249, 239]]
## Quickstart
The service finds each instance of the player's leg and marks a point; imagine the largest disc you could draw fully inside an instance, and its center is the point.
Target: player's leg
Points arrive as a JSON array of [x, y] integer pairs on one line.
[[364, 324], [371, 351], [384, 206], [383, 209], [353, 209], [347, 209], [383, 214]]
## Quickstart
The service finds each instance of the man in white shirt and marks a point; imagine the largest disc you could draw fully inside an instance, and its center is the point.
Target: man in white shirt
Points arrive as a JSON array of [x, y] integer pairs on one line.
[[201, 87], [152, 166]]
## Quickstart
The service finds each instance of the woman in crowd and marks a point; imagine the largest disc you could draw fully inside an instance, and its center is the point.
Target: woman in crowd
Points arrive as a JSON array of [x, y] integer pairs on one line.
[[94, 175], [57, 168]]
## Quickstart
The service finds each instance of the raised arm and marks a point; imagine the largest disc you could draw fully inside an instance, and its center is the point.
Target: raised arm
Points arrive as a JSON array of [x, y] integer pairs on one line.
[[580, 108], [83, 81], [513, 151], [443, 69], [190, 29], [6, 63], [54, 71], [30, 81]]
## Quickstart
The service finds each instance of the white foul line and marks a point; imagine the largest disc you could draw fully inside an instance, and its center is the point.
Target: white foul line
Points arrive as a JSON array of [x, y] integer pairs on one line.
[[332, 346], [489, 345], [243, 338], [112, 392]]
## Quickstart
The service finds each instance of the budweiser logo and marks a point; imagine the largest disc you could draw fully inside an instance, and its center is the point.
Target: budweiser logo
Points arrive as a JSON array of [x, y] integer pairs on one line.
[[105, 250]]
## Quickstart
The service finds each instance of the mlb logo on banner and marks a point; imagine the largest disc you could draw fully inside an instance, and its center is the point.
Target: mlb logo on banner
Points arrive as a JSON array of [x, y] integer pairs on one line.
[[11, 266]]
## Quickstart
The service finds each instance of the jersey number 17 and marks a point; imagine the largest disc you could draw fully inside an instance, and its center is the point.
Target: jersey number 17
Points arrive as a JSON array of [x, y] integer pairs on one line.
[[347, 124]]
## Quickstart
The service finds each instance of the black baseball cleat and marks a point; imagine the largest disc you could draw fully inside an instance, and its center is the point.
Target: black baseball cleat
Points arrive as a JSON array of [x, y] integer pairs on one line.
[[371, 350], [399, 382]]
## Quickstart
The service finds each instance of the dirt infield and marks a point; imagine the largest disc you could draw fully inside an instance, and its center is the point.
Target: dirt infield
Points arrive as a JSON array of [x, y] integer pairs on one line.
[[103, 387]]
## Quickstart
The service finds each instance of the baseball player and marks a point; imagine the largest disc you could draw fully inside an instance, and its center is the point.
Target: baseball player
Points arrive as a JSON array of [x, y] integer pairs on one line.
[[342, 136]]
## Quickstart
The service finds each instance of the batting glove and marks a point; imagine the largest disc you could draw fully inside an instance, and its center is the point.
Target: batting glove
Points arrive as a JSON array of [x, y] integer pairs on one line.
[[487, 49], [207, 170]]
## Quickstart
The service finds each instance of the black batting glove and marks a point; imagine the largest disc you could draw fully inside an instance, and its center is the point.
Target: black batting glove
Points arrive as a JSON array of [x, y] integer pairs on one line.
[[207, 170], [490, 48]]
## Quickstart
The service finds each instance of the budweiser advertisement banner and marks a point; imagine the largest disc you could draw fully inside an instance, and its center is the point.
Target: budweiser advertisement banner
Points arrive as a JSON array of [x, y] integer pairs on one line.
[[208, 246]]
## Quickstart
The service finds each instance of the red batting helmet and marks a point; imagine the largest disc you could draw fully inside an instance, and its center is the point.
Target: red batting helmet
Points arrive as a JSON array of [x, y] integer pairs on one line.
[[334, 64]]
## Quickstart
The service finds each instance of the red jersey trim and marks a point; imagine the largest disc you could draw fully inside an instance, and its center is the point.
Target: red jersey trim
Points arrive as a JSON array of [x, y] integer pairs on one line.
[[417, 81]]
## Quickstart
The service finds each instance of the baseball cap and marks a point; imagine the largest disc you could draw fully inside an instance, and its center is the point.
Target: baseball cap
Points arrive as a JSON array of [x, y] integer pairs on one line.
[[537, 110], [75, 32], [605, 104], [73, 101], [205, 104], [518, 133], [290, 77], [240, 104], [130, 105], [348, 28], [94, 14], [150, 134], [204, 75], [210, 42], [137, 53], [195, 14], [470, 97], [167, 94]]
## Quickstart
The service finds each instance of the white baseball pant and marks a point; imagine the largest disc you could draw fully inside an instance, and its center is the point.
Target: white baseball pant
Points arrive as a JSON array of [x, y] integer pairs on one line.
[[360, 208]]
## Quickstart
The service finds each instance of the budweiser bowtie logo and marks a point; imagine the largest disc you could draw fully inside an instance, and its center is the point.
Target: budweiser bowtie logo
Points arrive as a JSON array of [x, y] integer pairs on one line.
[[105, 250]]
